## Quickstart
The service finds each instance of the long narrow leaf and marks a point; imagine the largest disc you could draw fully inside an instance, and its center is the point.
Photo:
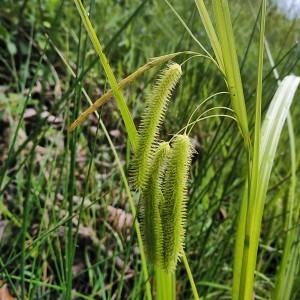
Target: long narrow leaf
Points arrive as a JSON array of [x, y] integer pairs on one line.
[[242, 273], [210, 32], [270, 134], [287, 268], [232, 72], [131, 129]]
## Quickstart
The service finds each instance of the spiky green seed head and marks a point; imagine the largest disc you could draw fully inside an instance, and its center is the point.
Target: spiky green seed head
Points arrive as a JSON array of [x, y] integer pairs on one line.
[[151, 121], [151, 198], [173, 209]]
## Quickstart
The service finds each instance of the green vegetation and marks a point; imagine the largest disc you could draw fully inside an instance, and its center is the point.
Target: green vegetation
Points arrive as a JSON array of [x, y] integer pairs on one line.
[[70, 216]]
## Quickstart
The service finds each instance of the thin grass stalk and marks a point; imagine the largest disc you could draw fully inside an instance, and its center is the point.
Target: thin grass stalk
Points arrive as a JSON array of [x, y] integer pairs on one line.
[[72, 145], [8, 277], [190, 275], [133, 210], [79, 90], [290, 286], [129, 124], [231, 67], [26, 217], [207, 54], [239, 243], [286, 271]]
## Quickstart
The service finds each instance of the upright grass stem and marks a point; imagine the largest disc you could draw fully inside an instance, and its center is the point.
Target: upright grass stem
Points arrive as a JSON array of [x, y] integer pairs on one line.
[[26, 213], [248, 263], [165, 284], [72, 142], [287, 271], [260, 158], [70, 249], [133, 210]]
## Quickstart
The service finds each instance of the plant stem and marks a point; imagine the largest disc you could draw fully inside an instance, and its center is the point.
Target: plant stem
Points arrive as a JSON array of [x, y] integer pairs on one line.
[[190, 275]]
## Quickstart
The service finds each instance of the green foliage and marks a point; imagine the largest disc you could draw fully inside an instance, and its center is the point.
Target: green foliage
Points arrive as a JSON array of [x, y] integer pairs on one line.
[[67, 229]]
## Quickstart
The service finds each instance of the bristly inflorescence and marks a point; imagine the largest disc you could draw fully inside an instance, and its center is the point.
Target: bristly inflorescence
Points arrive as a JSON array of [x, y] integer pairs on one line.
[[152, 118], [160, 172], [151, 200], [173, 209]]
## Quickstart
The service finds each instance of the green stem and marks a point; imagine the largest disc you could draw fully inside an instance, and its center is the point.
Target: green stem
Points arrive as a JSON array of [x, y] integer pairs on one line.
[[190, 275], [165, 284], [133, 210]]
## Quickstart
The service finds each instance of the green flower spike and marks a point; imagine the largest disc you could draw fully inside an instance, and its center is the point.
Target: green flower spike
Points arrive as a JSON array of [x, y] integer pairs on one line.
[[151, 120], [151, 199], [173, 209]]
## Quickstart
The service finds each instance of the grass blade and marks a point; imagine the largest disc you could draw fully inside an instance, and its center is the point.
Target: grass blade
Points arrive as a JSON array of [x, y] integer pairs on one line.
[[270, 134], [210, 32], [287, 268], [131, 129], [249, 201], [231, 66]]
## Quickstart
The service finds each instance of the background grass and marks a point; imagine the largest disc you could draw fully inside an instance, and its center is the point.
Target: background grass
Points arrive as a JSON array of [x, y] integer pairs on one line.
[[65, 222]]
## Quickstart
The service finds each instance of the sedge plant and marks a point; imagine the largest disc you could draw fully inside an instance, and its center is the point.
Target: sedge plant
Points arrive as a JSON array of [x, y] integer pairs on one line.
[[142, 145], [160, 169], [262, 153]]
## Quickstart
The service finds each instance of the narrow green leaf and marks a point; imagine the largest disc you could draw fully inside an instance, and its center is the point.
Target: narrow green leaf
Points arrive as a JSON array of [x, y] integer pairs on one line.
[[231, 66], [270, 134], [210, 32], [286, 271], [131, 129], [241, 268]]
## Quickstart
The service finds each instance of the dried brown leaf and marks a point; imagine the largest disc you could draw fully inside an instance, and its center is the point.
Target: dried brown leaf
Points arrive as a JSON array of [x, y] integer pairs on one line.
[[4, 292]]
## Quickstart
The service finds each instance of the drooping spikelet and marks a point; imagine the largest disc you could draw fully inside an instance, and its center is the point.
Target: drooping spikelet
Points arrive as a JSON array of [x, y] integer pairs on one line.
[[173, 208], [151, 120], [151, 198]]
